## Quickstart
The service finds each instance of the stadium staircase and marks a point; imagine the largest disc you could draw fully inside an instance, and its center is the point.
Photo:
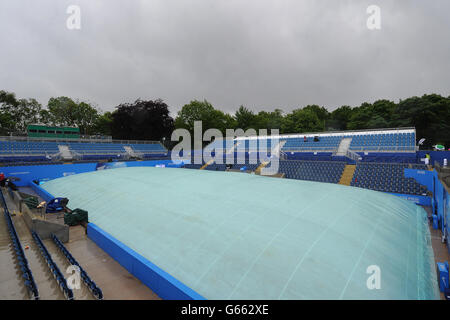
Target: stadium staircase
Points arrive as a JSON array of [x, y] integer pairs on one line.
[[64, 152], [206, 164], [344, 145], [262, 165], [131, 153], [347, 174], [278, 147]]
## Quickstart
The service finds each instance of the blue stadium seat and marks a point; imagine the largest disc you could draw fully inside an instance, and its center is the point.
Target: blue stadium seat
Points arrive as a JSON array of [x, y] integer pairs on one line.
[[387, 177]]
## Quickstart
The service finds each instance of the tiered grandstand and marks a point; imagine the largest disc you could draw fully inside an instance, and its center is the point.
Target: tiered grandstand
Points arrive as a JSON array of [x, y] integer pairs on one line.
[[387, 177], [384, 140], [371, 159], [304, 215], [26, 149], [322, 171]]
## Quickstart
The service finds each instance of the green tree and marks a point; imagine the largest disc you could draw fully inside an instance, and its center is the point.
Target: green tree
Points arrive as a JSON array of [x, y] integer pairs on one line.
[[302, 120], [321, 113], [372, 116], [205, 112], [63, 111], [429, 114], [16, 114], [269, 120], [103, 124], [339, 118], [8, 103], [141, 120], [245, 118]]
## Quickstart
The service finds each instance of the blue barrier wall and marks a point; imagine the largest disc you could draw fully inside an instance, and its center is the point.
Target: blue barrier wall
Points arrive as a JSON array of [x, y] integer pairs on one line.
[[441, 205], [395, 157], [447, 216], [439, 197], [438, 156], [420, 200], [162, 283], [424, 177], [27, 174], [41, 192]]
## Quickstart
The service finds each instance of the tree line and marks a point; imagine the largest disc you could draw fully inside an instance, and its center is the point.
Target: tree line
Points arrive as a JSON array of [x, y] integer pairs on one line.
[[151, 119]]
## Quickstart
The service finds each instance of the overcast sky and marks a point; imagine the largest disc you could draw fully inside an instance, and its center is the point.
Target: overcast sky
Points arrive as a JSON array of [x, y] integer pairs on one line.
[[259, 53]]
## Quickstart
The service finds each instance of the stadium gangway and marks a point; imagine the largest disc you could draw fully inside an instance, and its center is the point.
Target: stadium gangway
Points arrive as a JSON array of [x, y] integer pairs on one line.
[[68, 293], [96, 291], [23, 262]]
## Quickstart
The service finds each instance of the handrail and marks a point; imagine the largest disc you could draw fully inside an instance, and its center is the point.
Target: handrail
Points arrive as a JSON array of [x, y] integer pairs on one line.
[[334, 149], [313, 161], [23, 262], [345, 131], [96, 291], [353, 155], [369, 163]]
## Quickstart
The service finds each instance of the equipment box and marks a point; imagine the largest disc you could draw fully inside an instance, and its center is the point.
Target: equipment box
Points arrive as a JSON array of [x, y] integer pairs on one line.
[[75, 217]]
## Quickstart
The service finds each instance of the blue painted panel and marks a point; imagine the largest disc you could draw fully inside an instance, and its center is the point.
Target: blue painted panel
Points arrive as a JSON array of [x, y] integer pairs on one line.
[[162, 283], [48, 172], [45, 172], [421, 200], [439, 197], [447, 216], [424, 177], [438, 156], [41, 192]]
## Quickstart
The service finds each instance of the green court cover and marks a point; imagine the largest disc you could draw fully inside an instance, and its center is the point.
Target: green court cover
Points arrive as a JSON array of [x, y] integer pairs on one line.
[[241, 236]]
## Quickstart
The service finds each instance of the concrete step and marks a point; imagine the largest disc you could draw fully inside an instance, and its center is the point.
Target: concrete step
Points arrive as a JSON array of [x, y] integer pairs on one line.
[[262, 165], [65, 152], [344, 145]]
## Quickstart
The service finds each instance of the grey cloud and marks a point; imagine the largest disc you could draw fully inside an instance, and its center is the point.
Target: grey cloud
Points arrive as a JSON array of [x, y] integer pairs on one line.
[[259, 53]]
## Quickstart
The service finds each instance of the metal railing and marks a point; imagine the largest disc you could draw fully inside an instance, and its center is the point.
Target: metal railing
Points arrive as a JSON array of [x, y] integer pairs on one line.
[[333, 149], [384, 148], [354, 149], [349, 131], [96, 291], [57, 274], [310, 149], [104, 152], [327, 133], [353, 155]]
